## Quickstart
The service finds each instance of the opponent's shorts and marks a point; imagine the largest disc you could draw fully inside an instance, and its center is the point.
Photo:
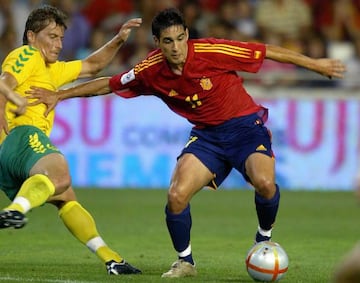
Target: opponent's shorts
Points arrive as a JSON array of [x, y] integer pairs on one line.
[[226, 146], [21, 149]]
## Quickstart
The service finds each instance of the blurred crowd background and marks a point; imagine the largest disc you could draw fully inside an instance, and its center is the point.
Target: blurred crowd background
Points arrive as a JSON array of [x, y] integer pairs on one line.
[[318, 28]]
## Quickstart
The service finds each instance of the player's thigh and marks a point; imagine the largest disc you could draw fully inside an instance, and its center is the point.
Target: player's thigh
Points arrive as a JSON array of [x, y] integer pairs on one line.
[[190, 176], [260, 168]]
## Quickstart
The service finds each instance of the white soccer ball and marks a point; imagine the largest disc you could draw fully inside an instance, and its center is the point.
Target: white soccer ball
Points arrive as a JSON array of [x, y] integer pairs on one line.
[[267, 262]]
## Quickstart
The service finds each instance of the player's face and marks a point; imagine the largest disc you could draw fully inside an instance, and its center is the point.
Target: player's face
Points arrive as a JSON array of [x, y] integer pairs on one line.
[[48, 41], [173, 44]]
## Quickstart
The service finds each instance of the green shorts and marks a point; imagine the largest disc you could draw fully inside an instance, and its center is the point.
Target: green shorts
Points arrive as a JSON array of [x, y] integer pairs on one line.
[[21, 149]]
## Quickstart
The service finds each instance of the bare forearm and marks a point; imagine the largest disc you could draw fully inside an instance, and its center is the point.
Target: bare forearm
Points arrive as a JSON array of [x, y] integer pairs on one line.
[[328, 67], [100, 58], [105, 54], [284, 55], [94, 87]]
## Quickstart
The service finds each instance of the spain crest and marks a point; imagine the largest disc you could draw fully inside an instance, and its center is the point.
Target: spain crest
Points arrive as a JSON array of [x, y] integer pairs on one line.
[[206, 83]]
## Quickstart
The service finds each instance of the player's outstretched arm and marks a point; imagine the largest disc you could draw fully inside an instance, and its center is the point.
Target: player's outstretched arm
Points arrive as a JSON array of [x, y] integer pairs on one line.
[[99, 86], [331, 68], [100, 58]]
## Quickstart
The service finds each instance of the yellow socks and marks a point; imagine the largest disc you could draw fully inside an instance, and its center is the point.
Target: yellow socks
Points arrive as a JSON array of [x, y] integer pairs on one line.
[[82, 225], [34, 192]]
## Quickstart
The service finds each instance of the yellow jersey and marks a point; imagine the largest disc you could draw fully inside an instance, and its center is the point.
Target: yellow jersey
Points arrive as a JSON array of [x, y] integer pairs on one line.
[[28, 67]]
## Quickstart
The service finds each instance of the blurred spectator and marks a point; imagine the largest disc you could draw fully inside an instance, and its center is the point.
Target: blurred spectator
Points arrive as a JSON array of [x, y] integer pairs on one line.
[[210, 6], [20, 10], [109, 13], [244, 21], [222, 29], [137, 50], [288, 20], [227, 12], [192, 14], [8, 32], [147, 10], [337, 20]]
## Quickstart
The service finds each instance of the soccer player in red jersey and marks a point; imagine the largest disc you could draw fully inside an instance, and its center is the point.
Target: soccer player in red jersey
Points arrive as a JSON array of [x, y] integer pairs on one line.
[[197, 79]]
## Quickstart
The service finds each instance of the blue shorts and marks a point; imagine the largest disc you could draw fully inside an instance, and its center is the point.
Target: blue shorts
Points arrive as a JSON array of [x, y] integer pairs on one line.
[[224, 147]]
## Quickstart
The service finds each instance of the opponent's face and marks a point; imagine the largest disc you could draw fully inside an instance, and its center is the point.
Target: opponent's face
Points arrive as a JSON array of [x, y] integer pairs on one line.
[[48, 41], [173, 44]]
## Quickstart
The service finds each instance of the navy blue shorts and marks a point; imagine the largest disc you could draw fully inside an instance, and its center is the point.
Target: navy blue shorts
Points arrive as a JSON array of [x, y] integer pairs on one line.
[[224, 147]]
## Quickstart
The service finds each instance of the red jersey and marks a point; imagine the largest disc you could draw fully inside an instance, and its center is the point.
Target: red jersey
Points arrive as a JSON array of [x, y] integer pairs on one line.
[[209, 90]]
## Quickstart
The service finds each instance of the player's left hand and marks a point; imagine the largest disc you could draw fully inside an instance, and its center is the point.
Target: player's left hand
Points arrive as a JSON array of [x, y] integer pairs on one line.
[[126, 28], [42, 95], [331, 68]]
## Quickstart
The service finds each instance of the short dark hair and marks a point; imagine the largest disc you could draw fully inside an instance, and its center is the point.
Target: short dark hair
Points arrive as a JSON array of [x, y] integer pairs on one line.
[[167, 18], [41, 17]]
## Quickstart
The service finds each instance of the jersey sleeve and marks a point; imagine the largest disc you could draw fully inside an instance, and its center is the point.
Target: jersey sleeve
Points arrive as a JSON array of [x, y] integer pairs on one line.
[[125, 84], [231, 54], [65, 72], [22, 63]]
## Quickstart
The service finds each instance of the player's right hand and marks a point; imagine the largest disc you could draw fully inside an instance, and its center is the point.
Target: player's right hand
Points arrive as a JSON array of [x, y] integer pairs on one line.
[[126, 28], [42, 95]]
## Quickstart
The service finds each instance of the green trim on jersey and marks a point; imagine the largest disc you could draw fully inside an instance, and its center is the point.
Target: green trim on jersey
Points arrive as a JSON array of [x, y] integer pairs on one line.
[[24, 56]]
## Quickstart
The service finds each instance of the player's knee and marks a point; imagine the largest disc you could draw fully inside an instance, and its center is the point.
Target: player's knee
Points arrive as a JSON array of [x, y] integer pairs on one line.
[[177, 201], [61, 182], [265, 187]]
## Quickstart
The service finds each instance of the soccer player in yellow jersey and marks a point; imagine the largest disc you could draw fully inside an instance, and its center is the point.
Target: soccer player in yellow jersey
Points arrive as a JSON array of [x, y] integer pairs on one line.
[[32, 170]]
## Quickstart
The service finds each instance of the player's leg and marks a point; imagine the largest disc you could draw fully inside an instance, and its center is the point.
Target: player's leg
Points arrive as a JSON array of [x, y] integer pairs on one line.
[[348, 269], [49, 176], [260, 169], [32, 170], [82, 225], [190, 176]]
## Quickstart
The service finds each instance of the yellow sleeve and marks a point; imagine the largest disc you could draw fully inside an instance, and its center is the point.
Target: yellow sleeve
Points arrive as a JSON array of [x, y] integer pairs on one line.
[[65, 72]]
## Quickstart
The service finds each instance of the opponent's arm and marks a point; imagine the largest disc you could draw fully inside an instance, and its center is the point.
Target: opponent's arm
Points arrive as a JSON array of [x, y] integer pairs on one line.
[[100, 58], [324, 66], [96, 87]]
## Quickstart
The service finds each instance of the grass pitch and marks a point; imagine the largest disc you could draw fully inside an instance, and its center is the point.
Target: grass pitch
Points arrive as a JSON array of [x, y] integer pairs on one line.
[[315, 228]]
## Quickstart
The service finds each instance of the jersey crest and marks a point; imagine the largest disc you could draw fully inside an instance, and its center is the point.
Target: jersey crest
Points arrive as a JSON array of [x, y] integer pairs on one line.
[[206, 84]]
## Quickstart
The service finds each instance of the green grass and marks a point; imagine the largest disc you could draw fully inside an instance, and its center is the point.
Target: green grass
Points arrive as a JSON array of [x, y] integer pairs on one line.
[[315, 228]]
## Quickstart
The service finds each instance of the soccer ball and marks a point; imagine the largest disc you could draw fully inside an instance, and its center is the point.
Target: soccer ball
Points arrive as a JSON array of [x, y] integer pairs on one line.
[[267, 262]]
